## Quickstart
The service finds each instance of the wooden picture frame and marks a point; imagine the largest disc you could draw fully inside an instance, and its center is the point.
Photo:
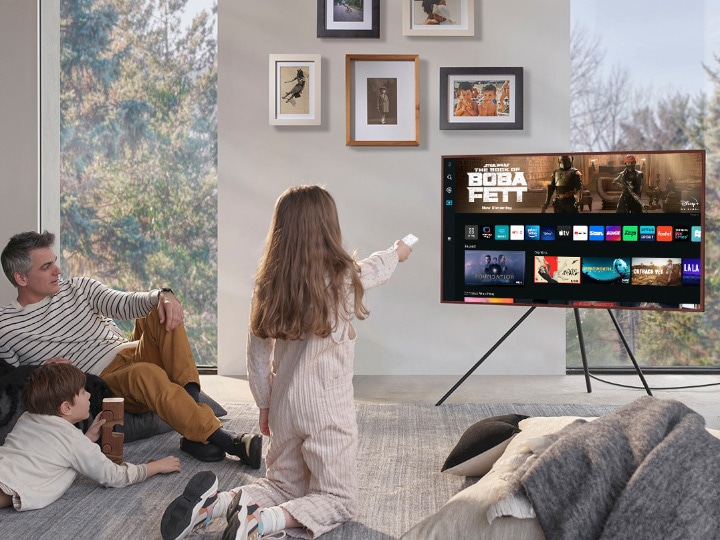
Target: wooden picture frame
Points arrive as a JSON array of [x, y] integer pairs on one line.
[[467, 94], [295, 81], [382, 96], [450, 18], [351, 19]]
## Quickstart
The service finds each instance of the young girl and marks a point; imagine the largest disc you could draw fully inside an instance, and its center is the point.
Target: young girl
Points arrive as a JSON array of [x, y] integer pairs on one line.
[[300, 365]]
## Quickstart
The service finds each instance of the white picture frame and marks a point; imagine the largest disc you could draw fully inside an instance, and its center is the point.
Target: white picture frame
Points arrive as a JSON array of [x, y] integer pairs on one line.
[[460, 20], [294, 94]]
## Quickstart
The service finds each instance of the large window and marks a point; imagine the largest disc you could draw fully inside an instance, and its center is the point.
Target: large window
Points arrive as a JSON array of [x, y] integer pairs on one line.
[[645, 77], [138, 151]]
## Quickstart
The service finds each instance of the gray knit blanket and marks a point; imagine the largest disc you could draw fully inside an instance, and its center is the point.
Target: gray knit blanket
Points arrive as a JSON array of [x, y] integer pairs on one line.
[[646, 471]]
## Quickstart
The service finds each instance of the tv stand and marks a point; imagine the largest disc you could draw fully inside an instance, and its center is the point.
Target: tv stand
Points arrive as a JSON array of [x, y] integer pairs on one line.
[[582, 352]]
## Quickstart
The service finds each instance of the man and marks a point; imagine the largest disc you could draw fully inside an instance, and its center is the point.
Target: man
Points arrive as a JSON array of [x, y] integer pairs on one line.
[[631, 181], [72, 322], [566, 183]]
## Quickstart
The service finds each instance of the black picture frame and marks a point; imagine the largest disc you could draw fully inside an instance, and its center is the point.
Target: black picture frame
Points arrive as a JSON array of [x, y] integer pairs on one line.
[[508, 83], [353, 31]]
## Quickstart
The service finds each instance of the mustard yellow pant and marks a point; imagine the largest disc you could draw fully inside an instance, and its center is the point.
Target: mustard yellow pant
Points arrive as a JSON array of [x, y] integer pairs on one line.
[[151, 377]]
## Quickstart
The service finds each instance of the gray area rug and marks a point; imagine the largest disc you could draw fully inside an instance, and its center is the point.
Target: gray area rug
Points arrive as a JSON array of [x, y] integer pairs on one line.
[[401, 450]]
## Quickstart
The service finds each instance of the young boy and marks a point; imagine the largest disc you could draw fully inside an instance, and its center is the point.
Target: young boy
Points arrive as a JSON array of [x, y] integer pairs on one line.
[[44, 452], [466, 105], [489, 105]]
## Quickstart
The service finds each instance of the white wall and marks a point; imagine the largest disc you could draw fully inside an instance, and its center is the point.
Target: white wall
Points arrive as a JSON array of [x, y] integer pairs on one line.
[[19, 173], [383, 193], [29, 122]]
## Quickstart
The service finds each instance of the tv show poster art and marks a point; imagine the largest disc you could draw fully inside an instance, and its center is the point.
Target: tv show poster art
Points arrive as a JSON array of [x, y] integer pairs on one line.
[[656, 271], [606, 270], [552, 269], [494, 267], [691, 271]]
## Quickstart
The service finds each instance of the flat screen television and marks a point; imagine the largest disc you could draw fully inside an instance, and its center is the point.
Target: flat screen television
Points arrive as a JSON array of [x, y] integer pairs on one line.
[[621, 241]]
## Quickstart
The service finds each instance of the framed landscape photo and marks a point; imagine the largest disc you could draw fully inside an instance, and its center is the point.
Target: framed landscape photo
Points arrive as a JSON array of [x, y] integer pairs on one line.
[[481, 98], [382, 95], [348, 18], [438, 17], [295, 82]]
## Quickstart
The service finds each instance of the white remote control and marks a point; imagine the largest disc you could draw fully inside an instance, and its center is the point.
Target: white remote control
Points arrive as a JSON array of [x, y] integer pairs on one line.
[[410, 239]]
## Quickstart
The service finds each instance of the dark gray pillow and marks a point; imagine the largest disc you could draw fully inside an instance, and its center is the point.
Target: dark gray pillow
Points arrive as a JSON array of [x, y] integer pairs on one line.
[[481, 445], [214, 405]]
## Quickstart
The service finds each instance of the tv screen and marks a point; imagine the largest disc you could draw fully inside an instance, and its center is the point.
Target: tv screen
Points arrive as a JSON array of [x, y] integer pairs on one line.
[[608, 230]]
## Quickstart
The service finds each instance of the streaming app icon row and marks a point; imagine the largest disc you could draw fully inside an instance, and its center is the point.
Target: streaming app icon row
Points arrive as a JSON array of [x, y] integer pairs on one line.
[[586, 233]]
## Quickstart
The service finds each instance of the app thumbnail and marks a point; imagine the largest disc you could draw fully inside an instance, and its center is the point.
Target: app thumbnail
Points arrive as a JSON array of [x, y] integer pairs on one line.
[[691, 271], [532, 232], [494, 267], [656, 271], [550, 269], [547, 232], [606, 270]]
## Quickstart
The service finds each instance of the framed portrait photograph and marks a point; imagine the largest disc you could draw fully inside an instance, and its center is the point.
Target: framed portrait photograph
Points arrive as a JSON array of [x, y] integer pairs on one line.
[[481, 98], [295, 82], [348, 18], [382, 95], [438, 17]]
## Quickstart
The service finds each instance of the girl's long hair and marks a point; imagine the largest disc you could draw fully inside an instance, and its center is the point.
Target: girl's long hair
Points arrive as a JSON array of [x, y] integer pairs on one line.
[[304, 275]]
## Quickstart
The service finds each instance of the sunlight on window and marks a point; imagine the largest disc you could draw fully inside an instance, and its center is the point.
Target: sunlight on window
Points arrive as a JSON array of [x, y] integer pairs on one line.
[[138, 199], [644, 77]]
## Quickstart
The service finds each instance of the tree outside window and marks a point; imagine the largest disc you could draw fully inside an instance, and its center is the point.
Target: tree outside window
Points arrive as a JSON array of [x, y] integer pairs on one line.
[[138, 100]]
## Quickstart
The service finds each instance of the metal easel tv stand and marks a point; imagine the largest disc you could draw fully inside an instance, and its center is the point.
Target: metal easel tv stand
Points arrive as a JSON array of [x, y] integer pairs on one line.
[[582, 352]]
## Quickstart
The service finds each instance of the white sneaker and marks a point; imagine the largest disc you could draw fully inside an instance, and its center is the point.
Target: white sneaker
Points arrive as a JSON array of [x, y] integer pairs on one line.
[[190, 508], [242, 523]]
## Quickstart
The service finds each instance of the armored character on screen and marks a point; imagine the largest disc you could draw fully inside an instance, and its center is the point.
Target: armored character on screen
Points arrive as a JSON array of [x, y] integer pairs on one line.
[[670, 186], [566, 184], [631, 181], [655, 194]]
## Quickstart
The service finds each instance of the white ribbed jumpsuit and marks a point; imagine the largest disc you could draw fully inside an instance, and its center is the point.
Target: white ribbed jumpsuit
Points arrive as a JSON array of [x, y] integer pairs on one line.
[[311, 458]]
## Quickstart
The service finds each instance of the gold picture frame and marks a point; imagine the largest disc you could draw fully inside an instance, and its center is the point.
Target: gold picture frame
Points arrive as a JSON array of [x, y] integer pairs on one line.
[[382, 95]]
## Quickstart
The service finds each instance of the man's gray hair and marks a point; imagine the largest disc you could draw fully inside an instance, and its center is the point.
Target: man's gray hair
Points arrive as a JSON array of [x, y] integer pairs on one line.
[[16, 255]]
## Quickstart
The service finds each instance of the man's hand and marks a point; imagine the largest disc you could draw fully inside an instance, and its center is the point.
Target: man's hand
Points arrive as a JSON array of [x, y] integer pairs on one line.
[[169, 310], [57, 360]]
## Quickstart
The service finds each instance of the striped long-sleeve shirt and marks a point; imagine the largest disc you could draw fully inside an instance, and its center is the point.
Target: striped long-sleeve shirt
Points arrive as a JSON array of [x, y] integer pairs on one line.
[[75, 323]]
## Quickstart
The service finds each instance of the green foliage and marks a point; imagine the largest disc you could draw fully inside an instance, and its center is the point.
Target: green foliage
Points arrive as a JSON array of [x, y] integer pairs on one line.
[[139, 153], [675, 122]]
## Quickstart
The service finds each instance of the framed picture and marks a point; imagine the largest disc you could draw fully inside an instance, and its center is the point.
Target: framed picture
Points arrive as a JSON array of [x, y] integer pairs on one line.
[[438, 17], [382, 95], [348, 18], [295, 89], [481, 98]]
